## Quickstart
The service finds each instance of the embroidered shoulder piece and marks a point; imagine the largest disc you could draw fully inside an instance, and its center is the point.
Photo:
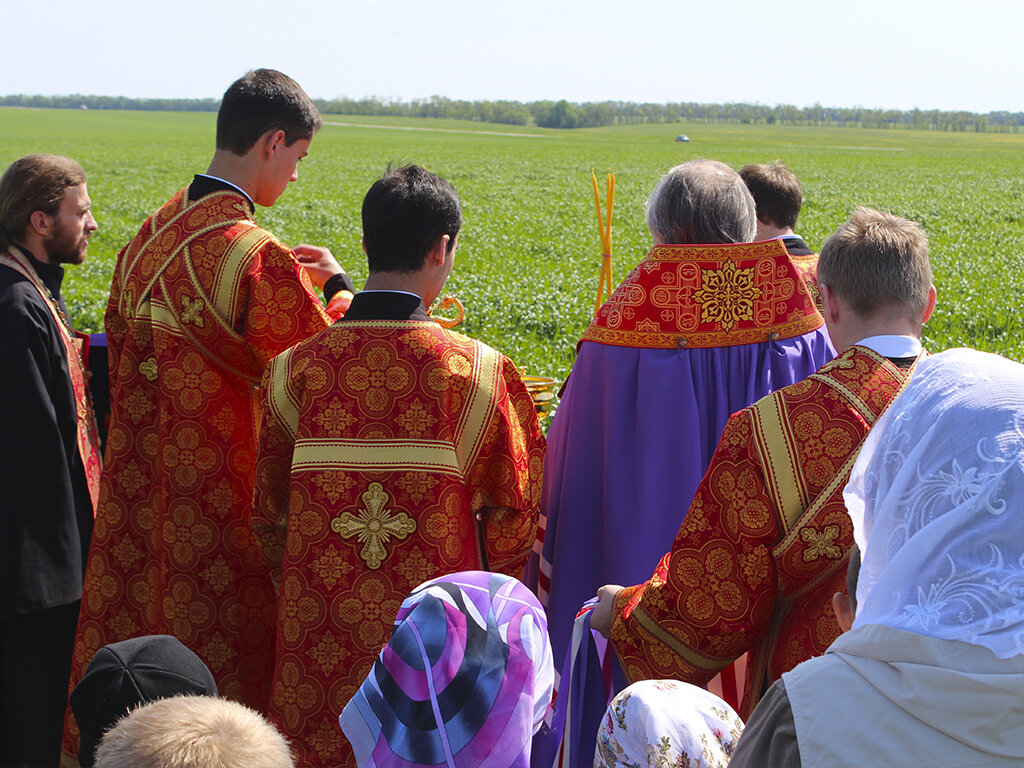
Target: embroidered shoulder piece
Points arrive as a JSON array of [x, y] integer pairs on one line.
[[807, 267], [707, 296]]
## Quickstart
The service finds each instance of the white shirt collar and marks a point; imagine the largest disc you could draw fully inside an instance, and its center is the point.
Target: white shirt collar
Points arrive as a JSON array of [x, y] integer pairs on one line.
[[408, 293], [230, 184], [892, 346]]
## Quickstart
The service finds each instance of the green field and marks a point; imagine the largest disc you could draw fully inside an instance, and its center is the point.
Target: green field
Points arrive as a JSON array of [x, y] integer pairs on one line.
[[527, 267]]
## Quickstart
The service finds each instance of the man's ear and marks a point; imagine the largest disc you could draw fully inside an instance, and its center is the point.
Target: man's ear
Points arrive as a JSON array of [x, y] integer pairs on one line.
[[830, 309], [271, 141], [40, 221], [932, 295], [843, 609], [438, 250]]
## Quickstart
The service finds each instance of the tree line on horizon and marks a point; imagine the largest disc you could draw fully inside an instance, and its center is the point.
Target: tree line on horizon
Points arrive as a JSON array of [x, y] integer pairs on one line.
[[566, 114]]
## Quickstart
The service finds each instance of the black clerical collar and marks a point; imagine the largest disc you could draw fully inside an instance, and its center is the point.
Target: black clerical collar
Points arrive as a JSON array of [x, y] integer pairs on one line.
[[796, 246], [203, 185], [386, 305], [52, 275]]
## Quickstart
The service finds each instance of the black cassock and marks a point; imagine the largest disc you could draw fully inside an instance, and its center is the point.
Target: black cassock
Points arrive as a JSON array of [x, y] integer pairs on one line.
[[45, 520]]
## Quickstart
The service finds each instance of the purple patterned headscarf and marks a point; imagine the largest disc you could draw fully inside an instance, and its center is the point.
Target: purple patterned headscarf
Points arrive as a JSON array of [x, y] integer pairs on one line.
[[465, 681]]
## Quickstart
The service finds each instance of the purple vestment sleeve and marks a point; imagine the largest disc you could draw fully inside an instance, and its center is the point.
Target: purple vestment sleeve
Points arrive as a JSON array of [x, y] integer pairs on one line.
[[626, 451]]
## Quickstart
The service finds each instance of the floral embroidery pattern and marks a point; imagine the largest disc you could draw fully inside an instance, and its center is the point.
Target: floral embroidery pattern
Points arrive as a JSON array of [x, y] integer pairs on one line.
[[328, 654], [335, 419], [414, 567], [727, 295], [330, 567], [366, 611], [417, 484], [416, 421], [333, 483], [377, 378], [710, 586]]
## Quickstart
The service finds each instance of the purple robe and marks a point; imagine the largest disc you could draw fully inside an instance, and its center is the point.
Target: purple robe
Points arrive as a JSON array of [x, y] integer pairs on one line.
[[630, 441]]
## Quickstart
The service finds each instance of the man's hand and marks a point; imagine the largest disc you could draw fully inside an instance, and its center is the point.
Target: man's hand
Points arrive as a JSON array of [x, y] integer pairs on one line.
[[318, 262], [601, 618]]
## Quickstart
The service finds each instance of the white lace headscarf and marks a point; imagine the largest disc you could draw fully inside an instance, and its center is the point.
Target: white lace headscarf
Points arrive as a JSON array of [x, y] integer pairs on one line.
[[937, 502]]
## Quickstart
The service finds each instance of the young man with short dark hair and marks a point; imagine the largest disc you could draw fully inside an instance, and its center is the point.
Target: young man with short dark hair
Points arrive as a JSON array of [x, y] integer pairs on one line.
[[392, 451], [202, 298], [778, 197]]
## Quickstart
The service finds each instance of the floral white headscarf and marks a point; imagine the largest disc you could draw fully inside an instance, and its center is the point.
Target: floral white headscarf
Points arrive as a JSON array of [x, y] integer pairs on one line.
[[666, 724], [937, 502]]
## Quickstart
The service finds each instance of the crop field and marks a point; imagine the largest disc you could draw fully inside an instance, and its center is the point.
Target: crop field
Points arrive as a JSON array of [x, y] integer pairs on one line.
[[528, 263]]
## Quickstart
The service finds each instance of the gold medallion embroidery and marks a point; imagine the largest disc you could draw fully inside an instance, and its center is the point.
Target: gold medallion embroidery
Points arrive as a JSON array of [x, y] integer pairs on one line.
[[148, 368], [374, 526], [845, 360], [727, 295], [819, 544], [191, 313]]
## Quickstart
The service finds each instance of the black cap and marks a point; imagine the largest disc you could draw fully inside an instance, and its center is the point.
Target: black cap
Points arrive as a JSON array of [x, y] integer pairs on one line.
[[123, 675]]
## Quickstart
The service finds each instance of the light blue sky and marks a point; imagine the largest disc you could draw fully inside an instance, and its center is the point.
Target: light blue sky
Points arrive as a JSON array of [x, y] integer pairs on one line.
[[872, 53]]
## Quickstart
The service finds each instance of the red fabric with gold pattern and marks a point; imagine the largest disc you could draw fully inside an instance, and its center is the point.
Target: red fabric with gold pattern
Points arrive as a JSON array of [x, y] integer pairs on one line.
[[707, 296], [807, 266], [379, 441], [762, 549], [201, 300]]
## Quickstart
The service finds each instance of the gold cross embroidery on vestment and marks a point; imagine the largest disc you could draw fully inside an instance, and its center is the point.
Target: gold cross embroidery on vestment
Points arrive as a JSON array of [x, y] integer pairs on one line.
[[819, 544], [374, 526], [191, 313]]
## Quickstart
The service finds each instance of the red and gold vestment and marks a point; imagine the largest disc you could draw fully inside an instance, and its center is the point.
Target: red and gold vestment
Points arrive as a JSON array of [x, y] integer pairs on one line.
[[382, 442], [764, 545], [201, 300], [700, 296], [806, 262]]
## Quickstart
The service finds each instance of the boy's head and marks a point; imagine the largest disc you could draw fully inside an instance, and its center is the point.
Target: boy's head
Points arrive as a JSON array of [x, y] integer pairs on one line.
[[776, 192], [878, 262], [264, 100], [405, 213]]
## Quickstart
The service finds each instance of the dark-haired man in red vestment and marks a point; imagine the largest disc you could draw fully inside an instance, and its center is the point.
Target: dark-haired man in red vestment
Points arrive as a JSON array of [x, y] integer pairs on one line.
[[392, 451], [202, 298]]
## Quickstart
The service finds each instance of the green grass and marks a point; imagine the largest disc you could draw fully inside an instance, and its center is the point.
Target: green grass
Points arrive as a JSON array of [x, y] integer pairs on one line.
[[527, 267]]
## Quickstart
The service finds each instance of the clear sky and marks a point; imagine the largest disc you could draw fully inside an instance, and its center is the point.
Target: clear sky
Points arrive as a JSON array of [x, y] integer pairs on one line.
[[872, 53]]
